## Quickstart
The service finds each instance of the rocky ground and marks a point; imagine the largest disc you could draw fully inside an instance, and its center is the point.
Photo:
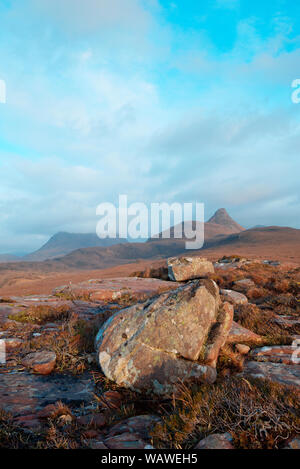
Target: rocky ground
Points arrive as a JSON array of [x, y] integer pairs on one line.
[[227, 337]]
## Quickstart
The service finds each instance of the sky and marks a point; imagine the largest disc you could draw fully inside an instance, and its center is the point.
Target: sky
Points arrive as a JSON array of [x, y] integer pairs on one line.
[[165, 101]]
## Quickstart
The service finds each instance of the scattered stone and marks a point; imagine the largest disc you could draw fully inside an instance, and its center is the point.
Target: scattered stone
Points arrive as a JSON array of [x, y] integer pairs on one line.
[[276, 354], [234, 297], [153, 346], [42, 362], [216, 441], [242, 349], [288, 375], [244, 285], [189, 268], [240, 335]]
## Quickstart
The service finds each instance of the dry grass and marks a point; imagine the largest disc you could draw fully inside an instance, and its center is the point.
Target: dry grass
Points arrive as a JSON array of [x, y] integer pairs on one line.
[[13, 437], [261, 322], [42, 314], [256, 413]]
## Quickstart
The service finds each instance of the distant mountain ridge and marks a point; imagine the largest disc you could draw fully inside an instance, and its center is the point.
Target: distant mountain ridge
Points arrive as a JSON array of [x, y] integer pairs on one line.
[[63, 243], [258, 241]]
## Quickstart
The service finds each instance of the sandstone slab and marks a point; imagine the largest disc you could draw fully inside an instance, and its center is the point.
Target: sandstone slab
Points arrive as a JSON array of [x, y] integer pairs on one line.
[[288, 375], [24, 393], [276, 354], [125, 290]]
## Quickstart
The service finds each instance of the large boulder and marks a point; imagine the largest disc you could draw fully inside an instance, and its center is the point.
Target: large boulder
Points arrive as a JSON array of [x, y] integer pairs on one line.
[[189, 268], [175, 337]]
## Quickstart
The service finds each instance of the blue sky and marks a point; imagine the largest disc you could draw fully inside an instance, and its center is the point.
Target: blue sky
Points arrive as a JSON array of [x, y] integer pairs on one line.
[[174, 101]]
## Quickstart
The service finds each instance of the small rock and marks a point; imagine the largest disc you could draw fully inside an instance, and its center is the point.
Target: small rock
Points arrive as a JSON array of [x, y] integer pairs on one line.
[[293, 444], [65, 419], [242, 349], [244, 285], [42, 362], [234, 297], [189, 268], [216, 441], [12, 344], [112, 399]]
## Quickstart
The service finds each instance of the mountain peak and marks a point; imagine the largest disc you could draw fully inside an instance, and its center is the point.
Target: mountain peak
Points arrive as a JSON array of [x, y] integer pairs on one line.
[[221, 217]]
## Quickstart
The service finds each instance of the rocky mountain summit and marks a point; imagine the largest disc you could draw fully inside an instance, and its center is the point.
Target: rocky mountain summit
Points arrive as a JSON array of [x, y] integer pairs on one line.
[[221, 217], [215, 343]]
